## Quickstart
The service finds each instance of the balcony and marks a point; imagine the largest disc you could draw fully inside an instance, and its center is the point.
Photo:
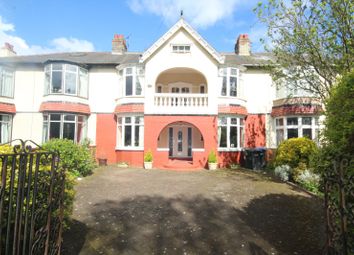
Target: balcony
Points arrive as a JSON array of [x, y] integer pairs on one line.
[[173, 103]]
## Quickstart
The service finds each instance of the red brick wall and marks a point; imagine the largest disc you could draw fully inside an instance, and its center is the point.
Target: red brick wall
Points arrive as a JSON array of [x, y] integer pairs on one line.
[[153, 125], [106, 137], [255, 135], [133, 158], [232, 109]]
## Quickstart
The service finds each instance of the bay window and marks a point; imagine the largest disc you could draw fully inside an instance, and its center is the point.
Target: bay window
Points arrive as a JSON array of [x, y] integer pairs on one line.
[[230, 133], [293, 127], [66, 79], [229, 82], [64, 126], [132, 85], [5, 128], [6, 82], [130, 132]]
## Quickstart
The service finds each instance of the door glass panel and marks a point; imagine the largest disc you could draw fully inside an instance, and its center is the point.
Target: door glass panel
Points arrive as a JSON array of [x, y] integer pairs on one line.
[[180, 137], [170, 152], [189, 142]]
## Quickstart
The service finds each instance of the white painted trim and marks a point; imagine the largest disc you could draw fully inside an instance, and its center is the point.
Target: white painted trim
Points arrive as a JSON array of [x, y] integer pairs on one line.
[[163, 149], [182, 24], [129, 148], [198, 149], [230, 149]]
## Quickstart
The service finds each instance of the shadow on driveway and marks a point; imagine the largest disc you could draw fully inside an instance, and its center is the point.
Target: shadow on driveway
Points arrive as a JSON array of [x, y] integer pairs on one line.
[[272, 224]]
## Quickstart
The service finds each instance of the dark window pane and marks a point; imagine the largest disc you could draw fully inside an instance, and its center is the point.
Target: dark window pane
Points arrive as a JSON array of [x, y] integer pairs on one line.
[[55, 117], [222, 137], [128, 136], [202, 90], [291, 121], [292, 133], [54, 130], [56, 82], [233, 86], [307, 132], [180, 139], [159, 89], [242, 137], [128, 85], [79, 135], [136, 136], [233, 137], [69, 117], [223, 88], [69, 131], [306, 120]]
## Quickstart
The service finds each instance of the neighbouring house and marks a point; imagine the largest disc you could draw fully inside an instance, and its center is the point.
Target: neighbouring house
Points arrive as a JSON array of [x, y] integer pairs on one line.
[[180, 99]]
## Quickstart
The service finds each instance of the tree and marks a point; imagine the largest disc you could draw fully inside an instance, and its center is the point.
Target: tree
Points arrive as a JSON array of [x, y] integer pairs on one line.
[[312, 42]]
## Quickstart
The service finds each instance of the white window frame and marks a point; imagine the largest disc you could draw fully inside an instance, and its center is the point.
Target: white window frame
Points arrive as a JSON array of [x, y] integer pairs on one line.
[[7, 82], [181, 48], [315, 126], [47, 121], [136, 73], [121, 123], [240, 126], [8, 125], [226, 73], [81, 83]]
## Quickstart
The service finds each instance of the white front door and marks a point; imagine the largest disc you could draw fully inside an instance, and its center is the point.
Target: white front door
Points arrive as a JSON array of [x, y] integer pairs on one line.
[[180, 141]]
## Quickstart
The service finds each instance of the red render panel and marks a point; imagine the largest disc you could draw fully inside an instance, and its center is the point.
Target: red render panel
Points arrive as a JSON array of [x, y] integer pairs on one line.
[[133, 158], [64, 107], [7, 108], [106, 137], [255, 135], [153, 125], [226, 158]]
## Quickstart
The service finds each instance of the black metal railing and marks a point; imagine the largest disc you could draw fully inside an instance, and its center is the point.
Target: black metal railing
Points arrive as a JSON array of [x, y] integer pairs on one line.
[[339, 205], [31, 200]]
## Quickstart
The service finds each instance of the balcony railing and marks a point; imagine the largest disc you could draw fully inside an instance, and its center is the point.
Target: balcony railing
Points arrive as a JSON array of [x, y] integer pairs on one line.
[[181, 100]]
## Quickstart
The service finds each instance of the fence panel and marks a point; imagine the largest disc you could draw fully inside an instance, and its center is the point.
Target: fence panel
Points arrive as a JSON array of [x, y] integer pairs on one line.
[[31, 201]]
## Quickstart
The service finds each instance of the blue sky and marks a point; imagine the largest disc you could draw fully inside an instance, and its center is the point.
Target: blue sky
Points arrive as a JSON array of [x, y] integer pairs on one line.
[[41, 26]]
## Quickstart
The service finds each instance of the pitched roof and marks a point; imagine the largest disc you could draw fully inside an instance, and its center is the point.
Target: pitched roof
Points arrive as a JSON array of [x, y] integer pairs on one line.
[[255, 59], [103, 58], [182, 24]]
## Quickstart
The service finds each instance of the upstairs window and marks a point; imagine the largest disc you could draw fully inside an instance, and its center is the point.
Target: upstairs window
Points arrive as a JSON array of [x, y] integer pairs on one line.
[[66, 79], [229, 82], [132, 85], [6, 82], [181, 48]]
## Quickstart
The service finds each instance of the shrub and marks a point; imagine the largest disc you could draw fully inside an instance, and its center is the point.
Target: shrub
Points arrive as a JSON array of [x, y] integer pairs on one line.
[[309, 180], [283, 172], [76, 158], [294, 151], [212, 157], [148, 156]]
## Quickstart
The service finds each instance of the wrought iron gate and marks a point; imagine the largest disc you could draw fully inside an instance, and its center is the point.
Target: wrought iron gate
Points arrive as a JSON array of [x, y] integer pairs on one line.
[[339, 204], [31, 201]]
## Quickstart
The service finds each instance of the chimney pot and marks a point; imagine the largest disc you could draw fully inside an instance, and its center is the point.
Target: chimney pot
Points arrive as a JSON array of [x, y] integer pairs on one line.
[[119, 45], [7, 50]]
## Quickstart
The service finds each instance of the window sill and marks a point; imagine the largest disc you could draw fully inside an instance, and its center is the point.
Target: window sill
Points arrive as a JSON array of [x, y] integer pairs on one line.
[[229, 149], [129, 148], [62, 94]]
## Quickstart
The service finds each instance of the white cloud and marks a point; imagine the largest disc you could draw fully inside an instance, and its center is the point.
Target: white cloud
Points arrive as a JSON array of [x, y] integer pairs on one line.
[[201, 13], [61, 44]]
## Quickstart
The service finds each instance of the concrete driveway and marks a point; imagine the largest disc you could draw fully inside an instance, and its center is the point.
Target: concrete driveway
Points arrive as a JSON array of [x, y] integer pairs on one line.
[[137, 211]]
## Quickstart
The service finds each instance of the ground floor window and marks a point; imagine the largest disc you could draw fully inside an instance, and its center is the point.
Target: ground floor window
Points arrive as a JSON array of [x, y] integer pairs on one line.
[[292, 127], [5, 128], [64, 126], [130, 132], [230, 132]]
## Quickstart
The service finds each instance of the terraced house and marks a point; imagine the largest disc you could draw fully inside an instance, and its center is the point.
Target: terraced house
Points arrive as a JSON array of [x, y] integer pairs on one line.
[[180, 99]]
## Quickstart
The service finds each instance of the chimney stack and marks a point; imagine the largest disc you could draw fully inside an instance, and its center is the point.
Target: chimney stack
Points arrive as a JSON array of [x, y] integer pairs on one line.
[[243, 45], [7, 50], [119, 45]]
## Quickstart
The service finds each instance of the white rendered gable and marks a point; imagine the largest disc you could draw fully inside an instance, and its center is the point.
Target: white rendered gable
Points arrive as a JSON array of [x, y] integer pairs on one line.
[[170, 33]]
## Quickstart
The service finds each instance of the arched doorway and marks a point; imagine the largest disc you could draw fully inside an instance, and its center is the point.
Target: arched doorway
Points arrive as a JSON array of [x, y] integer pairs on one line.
[[180, 139]]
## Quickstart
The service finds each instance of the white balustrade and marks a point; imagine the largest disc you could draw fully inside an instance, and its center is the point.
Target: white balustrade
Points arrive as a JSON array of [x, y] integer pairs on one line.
[[172, 100]]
